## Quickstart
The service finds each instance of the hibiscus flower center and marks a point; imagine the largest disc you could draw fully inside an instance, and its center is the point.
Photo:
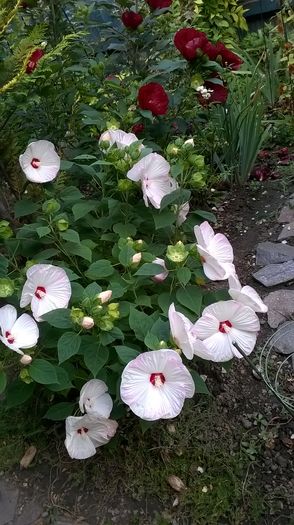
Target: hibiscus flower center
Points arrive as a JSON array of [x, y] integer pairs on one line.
[[225, 327], [82, 430], [157, 379], [9, 337], [35, 163], [40, 292]]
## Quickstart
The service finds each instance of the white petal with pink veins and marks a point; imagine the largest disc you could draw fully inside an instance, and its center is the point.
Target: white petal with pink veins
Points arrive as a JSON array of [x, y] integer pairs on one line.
[[40, 162], [25, 331], [8, 316], [84, 434], [95, 400], [181, 327], [219, 347], [204, 234]]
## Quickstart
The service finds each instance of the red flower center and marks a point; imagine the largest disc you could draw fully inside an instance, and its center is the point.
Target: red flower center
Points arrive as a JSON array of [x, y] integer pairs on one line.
[[224, 327], [9, 337], [35, 163], [82, 430], [40, 292], [157, 379]]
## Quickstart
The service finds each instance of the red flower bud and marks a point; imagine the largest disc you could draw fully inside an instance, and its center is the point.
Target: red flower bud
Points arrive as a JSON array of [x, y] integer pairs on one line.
[[154, 98], [33, 60], [138, 128], [190, 42], [131, 19], [159, 4]]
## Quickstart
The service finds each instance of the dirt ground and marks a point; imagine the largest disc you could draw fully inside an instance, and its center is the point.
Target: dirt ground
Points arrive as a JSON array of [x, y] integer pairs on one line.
[[232, 450]]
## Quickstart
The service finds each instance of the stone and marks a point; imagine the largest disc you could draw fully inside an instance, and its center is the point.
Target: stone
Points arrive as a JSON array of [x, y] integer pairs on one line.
[[273, 253], [286, 215], [8, 503], [280, 307], [287, 232], [283, 340], [274, 274]]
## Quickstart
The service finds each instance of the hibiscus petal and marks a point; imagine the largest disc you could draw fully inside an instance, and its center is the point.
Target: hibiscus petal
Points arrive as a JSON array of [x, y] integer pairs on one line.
[[79, 446], [234, 283], [180, 327], [204, 234], [8, 315], [219, 347], [25, 332], [11, 346], [245, 340], [206, 326], [102, 431], [249, 297], [221, 249], [94, 399]]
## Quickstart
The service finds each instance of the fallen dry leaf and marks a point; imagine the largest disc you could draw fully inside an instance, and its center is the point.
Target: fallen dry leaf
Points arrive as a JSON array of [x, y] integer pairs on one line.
[[28, 457], [176, 483]]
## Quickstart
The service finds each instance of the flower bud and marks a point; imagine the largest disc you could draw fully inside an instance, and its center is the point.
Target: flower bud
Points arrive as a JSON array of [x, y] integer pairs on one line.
[[136, 258], [106, 324], [162, 345], [76, 315], [105, 296], [87, 323], [189, 144], [197, 161], [113, 310], [26, 359], [172, 150], [196, 81], [24, 376], [139, 245], [6, 287], [5, 230], [197, 180], [51, 206], [177, 253], [62, 225], [125, 185], [29, 264]]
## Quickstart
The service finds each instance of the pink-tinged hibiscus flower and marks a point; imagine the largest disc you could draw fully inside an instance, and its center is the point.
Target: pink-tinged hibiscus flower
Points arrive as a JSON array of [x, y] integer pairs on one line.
[[182, 212], [86, 433], [160, 277], [246, 295], [131, 19], [156, 384], [184, 335], [190, 42], [95, 400], [224, 325], [17, 333], [47, 288], [40, 162], [153, 97], [215, 251], [153, 173], [118, 137]]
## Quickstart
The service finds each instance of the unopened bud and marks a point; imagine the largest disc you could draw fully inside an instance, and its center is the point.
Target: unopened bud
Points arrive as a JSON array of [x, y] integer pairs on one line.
[[51, 206], [62, 225], [137, 258], [106, 324], [113, 310], [5, 230], [26, 359], [87, 323], [105, 296], [189, 142], [177, 253], [6, 287]]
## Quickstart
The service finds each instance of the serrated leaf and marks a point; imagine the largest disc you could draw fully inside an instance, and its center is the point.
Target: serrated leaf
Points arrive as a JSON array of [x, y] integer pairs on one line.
[[95, 356], [164, 219], [71, 194], [18, 393], [80, 250], [140, 323], [125, 230], [151, 341], [125, 255], [67, 346], [43, 372]]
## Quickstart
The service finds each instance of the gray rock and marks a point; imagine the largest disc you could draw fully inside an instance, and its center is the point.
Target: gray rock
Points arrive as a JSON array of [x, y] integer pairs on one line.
[[274, 274], [287, 232], [8, 503], [286, 215], [280, 307], [283, 340], [273, 253], [30, 513]]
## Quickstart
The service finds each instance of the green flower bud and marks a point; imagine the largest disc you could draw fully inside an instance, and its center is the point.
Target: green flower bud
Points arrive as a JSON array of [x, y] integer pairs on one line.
[[197, 180], [179, 142], [76, 315], [62, 225], [6, 287], [177, 253], [5, 230], [125, 185], [113, 310], [29, 264], [104, 144], [24, 376], [106, 324], [196, 81], [97, 310], [122, 165], [172, 150], [51, 206], [139, 245], [162, 344], [197, 161]]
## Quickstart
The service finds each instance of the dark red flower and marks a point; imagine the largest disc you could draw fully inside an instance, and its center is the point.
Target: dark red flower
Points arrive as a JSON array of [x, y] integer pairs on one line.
[[216, 94], [33, 60], [159, 4], [138, 128], [190, 42], [131, 19], [227, 57], [153, 97], [260, 173]]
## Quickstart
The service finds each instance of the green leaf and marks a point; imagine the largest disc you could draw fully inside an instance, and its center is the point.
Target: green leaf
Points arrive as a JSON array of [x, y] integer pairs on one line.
[[200, 385], [64, 382], [83, 208], [43, 231], [161, 329], [99, 270], [3, 266], [151, 341], [46, 254], [191, 298], [25, 207], [77, 292], [125, 230], [59, 318], [66, 165], [3, 381], [71, 236], [59, 411], [18, 393], [165, 300], [92, 290], [207, 215], [125, 255], [43, 372], [71, 194], [126, 354], [95, 356], [149, 269], [184, 275], [145, 425], [140, 323], [178, 196], [67, 346], [80, 250], [164, 219]]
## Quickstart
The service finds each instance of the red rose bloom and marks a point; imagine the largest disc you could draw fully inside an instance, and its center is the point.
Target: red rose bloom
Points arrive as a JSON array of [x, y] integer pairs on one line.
[[190, 42], [153, 97], [138, 128], [131, 19], [159, 4], [33, 60], [217, 94]]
